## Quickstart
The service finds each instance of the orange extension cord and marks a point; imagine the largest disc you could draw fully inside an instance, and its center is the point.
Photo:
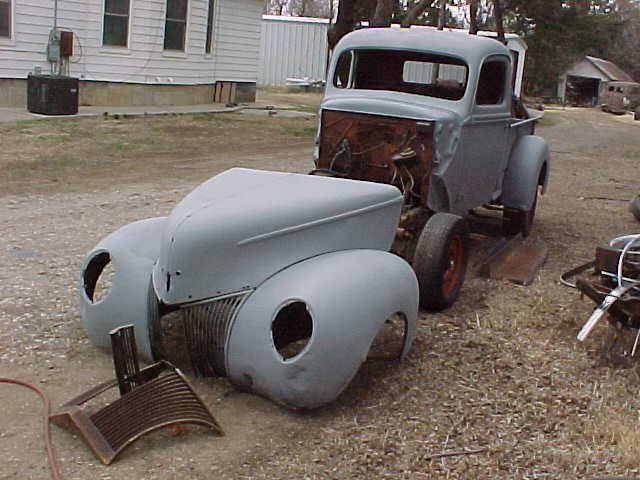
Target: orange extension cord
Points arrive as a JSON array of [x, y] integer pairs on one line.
[[53, 467]]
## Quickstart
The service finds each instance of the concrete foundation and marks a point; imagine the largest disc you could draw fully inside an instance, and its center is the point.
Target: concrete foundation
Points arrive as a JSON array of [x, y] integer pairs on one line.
[[13, 93]]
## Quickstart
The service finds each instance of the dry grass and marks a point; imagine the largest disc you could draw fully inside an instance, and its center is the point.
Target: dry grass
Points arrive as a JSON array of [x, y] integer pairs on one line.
[[495, 387], [60, 152]]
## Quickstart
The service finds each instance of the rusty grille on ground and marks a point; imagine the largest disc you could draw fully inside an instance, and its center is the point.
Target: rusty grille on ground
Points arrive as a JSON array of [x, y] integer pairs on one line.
[[194, 335], [152, 398]]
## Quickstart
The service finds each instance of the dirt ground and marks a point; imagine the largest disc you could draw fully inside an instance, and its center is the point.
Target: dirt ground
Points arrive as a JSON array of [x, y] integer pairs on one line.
[[495, 387]]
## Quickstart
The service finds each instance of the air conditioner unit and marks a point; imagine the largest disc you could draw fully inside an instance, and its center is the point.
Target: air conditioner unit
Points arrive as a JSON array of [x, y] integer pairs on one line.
[[52, 94]]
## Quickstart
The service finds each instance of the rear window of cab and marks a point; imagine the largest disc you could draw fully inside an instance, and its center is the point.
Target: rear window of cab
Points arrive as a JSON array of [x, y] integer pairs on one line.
[[436, 76]]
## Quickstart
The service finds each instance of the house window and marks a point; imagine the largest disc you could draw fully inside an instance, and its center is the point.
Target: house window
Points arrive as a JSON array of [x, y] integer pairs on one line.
[[116, 23], [176, 25], [5, 18], [209, 27]]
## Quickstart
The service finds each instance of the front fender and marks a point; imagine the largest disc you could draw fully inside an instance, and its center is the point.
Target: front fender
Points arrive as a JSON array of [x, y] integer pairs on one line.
[[528, 168], [132, 251], [348, 296]]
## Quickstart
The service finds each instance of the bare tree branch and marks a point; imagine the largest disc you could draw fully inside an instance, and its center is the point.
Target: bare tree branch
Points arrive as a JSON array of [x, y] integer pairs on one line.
[[498, 13], [442, 14], [383, 13], [473, 17], [344, 23]]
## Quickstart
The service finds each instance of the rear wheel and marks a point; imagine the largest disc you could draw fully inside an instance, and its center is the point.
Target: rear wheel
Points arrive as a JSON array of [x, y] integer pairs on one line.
[[440, 260], [519, 221]]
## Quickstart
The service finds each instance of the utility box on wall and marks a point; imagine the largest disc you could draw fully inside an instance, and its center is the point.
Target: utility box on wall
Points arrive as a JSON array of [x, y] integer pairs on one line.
[[52, 95]]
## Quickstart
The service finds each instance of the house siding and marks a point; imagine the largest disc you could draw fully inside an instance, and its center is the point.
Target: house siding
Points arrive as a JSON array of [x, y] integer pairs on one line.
[[236, 49], [236, 37]]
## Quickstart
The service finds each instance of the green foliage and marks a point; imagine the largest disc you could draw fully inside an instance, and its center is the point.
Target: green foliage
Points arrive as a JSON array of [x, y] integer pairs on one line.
[[561, 33], [558, 32]]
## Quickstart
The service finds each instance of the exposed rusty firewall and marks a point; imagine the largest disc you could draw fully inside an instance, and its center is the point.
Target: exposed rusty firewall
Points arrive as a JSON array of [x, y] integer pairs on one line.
[[379, 149]]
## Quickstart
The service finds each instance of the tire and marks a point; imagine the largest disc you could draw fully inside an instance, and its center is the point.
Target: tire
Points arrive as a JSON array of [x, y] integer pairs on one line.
[[519, 221], [440, 260]]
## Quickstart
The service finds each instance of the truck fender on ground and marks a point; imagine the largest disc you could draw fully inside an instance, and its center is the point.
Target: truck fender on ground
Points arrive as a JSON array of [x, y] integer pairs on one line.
[[132, 251], [528, 168], [338, 302]]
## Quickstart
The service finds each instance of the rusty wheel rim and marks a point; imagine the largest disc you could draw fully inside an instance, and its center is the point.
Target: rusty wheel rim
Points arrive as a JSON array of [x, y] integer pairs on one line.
[[453, 266]]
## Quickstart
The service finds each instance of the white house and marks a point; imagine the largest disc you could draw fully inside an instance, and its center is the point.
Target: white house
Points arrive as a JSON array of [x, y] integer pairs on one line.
[[136, 52]]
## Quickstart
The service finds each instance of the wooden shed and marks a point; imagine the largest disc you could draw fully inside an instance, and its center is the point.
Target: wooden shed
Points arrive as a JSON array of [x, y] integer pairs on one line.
[[585, 82]]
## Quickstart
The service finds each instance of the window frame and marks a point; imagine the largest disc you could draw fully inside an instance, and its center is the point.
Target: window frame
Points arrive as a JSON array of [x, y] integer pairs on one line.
[[10, 22], [504, 94], [117, 15], [404, 56], [208, 45], [175, 20]]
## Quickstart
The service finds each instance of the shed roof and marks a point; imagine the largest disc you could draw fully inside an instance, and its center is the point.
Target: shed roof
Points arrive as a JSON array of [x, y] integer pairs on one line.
[[610, 69]]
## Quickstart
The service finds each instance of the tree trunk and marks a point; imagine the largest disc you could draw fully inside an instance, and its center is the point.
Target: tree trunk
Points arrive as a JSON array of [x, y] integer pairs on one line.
[[344, 22], [442, 14], [473, 17], [498, 13], [416, 10], [383, 13]]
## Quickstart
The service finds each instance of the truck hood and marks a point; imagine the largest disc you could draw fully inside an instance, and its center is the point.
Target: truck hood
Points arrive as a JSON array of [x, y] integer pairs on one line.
[[240, 227]]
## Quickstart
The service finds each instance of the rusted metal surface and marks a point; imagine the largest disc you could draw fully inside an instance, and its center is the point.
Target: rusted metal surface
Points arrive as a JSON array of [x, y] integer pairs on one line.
[[614, 285], [619, 97], [125, 359], [517, 263], [378, 149], [155, 397]]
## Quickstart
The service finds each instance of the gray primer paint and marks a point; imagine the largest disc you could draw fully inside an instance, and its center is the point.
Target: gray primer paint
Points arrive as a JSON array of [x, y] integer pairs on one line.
[[472, 149], [280, 238]]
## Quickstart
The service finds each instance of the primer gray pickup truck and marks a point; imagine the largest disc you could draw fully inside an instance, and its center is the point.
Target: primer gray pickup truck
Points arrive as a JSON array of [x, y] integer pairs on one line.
[[432, 112]]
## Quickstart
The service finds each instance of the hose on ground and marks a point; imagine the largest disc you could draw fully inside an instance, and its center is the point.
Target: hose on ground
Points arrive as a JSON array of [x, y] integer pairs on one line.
[[53, 467]]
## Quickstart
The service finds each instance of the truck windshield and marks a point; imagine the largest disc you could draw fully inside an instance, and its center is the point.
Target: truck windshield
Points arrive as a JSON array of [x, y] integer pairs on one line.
[[402, 71]]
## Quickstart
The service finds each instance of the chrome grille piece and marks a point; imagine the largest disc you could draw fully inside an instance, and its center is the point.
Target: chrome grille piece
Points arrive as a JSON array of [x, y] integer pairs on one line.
[[206, 327], [194, 335]]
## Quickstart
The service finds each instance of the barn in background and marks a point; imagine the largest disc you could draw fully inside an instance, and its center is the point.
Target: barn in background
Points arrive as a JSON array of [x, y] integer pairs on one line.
[[585, 82], [136, 52]]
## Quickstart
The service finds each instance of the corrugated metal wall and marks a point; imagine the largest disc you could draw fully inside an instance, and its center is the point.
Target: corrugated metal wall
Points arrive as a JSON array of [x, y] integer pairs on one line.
[[292, 47]]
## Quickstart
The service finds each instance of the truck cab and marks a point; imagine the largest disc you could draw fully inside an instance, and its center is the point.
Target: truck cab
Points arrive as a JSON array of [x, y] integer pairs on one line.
[[433, 113]]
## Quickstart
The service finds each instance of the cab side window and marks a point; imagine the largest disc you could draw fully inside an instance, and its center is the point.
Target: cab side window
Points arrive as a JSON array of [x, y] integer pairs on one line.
[[343, 70], [492, 83]]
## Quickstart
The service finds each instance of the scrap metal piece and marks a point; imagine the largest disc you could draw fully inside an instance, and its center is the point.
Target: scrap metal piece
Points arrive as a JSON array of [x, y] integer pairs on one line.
[[616, 290], [155, 397], [519, 264], [601, 309], [125, 359]]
